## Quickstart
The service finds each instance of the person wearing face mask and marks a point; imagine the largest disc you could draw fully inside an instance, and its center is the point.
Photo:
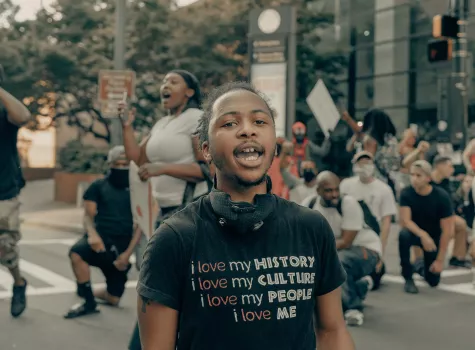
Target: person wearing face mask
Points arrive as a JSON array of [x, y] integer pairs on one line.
[[299, 187], [109, 240], [377, 195]]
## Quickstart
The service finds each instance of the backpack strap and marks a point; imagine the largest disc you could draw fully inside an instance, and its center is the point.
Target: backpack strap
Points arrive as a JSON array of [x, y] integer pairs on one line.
[[339, 206], [312, 202]]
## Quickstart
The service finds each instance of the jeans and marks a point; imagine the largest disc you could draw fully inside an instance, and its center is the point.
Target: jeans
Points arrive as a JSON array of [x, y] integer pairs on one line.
[[406, 240], [357, 262]]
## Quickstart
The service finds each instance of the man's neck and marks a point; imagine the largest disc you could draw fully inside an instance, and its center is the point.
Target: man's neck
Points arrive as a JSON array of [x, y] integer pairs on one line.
[[437, 177], [366, 181], [425, 190], [241, 193]]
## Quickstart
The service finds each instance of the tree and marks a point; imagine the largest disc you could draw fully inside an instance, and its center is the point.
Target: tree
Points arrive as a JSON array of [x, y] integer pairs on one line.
[[53, 62]]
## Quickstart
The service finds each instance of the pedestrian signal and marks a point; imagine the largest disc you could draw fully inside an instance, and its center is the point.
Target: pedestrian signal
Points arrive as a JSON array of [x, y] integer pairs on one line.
[[440, 50], [445, 26]]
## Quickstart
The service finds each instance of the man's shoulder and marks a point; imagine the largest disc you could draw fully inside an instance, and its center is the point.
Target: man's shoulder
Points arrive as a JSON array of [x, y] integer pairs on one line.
[[288, 210], [184, 222], [383, 186], [349, 181], [440, 192]]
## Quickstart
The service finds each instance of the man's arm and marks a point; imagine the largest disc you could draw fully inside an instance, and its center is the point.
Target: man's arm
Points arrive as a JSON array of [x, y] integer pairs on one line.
[[331, 330], [134, 241], [17, 113], [90, 210], [158, 325], [406, 222], [447, 225], [290, 180], [385, 230], [346, 239]]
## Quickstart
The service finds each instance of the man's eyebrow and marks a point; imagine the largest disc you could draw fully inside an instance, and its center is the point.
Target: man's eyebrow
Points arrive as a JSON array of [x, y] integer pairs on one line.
[[234, 113]]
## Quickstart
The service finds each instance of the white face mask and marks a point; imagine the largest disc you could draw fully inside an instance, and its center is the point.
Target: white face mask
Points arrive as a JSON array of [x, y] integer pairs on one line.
[[365, 171]]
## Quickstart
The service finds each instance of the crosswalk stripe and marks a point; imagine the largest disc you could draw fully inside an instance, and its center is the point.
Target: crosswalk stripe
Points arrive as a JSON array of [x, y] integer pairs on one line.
[[6, 280], [459, 288], [58, 290], [45, 275]]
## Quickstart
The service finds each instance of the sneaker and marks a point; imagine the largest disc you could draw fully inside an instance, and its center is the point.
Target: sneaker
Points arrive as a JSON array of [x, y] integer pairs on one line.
[[18, 304], [81, 309], [459, 263], [410, 287], [354, 318]]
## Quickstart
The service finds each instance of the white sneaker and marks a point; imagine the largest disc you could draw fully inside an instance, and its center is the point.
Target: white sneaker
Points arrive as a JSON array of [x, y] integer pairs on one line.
[[369, 279], [354, 318]]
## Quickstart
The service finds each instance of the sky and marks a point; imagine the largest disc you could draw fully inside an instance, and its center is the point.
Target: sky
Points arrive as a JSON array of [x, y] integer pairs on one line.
[[28, 8]]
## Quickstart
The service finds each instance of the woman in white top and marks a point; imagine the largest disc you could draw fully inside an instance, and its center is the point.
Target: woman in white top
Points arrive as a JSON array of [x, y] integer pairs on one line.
[[168, 155]]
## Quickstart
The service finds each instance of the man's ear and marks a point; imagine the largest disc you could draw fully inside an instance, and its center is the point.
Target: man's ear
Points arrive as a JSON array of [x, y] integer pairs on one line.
[[206, 153]]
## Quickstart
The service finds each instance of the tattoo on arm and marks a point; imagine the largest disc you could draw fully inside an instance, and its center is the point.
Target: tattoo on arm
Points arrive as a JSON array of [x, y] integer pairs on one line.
[[145, 302]]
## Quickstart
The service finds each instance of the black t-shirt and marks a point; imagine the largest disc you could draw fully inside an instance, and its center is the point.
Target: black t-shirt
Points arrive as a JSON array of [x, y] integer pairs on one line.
[[444, 184], [252, 291], [114, 214], [427, 211], [10, 171]]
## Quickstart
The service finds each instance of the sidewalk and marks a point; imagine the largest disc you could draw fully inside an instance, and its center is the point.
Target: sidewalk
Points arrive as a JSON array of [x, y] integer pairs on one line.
[[39, 208]]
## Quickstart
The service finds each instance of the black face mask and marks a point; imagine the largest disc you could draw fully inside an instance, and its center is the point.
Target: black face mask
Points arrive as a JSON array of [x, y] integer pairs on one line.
[[119, 178], [299, 138], [309, 175]]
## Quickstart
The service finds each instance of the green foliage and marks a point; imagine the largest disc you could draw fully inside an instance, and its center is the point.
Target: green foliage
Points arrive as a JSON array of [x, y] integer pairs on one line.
[[55, 60], [78, 158]]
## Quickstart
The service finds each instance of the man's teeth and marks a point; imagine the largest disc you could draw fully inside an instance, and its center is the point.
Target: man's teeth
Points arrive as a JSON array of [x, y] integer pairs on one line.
[[251, 158], [248, 150]]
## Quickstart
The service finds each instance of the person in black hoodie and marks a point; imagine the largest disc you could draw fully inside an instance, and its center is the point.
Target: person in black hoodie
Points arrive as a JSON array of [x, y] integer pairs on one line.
[[109, 240]]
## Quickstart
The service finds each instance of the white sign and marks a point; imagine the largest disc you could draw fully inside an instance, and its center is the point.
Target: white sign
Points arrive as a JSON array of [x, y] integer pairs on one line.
[[144, 206], [324, 109], [271, 79]]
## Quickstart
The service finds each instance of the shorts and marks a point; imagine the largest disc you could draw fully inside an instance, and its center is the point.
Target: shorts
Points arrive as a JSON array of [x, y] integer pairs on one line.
[[9, 232], [115, 279]]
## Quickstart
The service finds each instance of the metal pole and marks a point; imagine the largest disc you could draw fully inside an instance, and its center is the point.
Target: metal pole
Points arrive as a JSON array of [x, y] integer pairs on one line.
[[119, 63], [461, 59]]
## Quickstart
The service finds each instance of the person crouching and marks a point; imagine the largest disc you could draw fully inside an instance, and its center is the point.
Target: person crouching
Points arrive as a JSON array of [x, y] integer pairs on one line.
[[109, 240]]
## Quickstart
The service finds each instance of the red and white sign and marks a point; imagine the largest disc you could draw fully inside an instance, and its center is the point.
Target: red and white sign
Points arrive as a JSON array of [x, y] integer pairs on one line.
[[112, 86]]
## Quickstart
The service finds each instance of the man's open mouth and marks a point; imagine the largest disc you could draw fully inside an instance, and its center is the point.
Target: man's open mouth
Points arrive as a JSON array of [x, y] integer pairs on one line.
[[248, 153], [166, 95]]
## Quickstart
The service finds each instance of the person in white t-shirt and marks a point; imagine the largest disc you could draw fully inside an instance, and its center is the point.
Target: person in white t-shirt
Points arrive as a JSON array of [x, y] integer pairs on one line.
[[359, 247], [377, 195]]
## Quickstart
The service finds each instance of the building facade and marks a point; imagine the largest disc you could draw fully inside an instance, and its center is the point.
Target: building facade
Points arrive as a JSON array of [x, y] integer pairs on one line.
[[386, 41]]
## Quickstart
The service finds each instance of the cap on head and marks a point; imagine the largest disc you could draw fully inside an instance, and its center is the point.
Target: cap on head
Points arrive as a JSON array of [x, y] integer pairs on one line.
[[115, 153], [361, 155], [424, 166]]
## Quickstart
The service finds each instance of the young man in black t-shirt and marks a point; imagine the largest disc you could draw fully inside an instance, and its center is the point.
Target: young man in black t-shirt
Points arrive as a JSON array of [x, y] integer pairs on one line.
[[109, 240], [241, 268], [443, 169], [13, 115], [426, 216]]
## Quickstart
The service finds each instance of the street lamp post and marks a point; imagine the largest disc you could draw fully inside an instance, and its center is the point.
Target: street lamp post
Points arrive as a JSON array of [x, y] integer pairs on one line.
[[119, 63], [460, 71]]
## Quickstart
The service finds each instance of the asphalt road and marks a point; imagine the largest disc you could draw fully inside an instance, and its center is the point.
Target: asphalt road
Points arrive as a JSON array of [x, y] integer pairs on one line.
[[436, 319]]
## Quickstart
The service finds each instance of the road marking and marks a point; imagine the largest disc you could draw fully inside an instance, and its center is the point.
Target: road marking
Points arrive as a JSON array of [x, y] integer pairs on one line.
[[45, 275], [459, 288], [6, 280], [59, 290], [65, 241]]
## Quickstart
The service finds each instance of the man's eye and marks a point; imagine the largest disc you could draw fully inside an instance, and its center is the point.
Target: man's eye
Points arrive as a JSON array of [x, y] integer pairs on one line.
[[228, 124], [260, 122]]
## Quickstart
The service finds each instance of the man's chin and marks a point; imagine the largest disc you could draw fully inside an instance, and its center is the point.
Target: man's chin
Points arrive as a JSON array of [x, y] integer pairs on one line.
[[250, 181]]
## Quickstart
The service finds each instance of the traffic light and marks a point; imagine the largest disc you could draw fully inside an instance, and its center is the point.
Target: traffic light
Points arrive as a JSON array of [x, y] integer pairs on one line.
[[440, 50], [445, 26]]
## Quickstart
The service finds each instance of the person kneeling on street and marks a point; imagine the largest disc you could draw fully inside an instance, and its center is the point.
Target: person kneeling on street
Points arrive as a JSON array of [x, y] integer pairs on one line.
[[359, 247], [109, 240]]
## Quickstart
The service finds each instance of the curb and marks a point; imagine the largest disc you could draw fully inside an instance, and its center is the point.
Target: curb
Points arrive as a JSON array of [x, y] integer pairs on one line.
[[55, 226]]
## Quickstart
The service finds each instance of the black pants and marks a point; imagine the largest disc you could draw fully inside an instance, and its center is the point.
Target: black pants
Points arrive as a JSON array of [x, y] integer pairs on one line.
[[115, 279], [407, 240]]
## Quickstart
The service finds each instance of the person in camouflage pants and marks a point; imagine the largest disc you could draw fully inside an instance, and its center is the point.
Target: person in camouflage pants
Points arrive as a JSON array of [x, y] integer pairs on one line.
[[13, 115]]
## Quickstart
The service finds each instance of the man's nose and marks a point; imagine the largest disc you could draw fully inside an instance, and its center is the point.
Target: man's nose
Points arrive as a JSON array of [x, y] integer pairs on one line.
[[247, 129]]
